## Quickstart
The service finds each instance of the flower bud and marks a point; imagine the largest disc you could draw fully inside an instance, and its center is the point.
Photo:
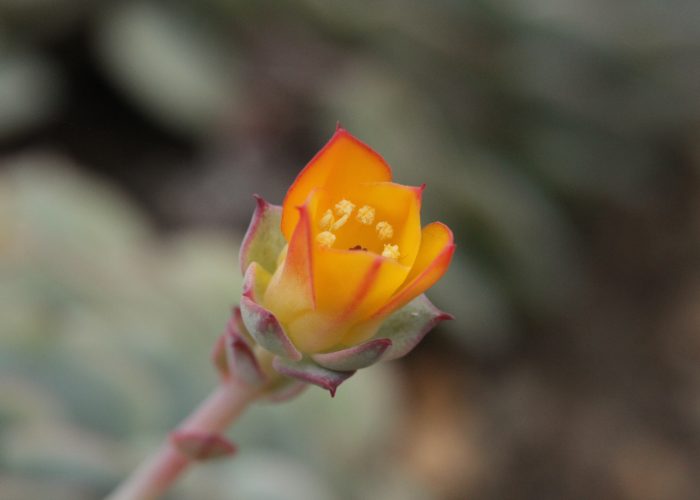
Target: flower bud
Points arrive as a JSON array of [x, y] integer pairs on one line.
[[327, 291]]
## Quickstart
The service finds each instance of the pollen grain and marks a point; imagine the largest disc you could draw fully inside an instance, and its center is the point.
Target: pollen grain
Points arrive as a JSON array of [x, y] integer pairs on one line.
[[344, 207], [385, 231], [325, 239], [365, 215], [391, 251]]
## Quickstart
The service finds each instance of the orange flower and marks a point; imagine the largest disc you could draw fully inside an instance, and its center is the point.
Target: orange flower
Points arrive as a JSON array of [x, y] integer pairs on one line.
[[350, 255]]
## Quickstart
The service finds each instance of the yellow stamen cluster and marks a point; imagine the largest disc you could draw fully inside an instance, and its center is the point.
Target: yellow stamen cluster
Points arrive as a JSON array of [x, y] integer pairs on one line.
[[391, 251], [385, 231], [365, 215], [325, 239]]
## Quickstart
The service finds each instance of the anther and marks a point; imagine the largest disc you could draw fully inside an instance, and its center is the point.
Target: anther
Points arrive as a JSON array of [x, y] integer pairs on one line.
[[325, 239], [385, 231], [340, 222], [365, 215], [344, 207], [391, 251], [327, 220]]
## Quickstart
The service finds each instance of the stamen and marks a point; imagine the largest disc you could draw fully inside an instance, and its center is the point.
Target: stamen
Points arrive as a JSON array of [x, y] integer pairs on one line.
[[391, 251], [365, 215], [327, 220], [344, 207], [325, 239], [340, 222], [385, 231]]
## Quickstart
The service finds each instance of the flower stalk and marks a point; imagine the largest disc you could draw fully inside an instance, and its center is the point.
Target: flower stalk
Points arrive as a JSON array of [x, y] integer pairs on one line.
[[214, 415]]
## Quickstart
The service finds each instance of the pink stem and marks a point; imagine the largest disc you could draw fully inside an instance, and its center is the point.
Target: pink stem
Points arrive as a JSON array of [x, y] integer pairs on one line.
[[155, 475]]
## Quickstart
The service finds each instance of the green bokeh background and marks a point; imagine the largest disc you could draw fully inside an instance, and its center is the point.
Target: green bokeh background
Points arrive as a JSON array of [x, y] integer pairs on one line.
[[558, 139]]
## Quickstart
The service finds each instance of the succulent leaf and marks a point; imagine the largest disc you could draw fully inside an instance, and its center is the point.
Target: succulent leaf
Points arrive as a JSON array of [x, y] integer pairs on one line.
[[263, 241], [407, 326], [266, 330], [354, 358], [243, 363]]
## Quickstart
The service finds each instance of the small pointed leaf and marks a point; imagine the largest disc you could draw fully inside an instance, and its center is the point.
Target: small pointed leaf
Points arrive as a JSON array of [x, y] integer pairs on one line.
[[354, 358], [308, 371], [243, 364]]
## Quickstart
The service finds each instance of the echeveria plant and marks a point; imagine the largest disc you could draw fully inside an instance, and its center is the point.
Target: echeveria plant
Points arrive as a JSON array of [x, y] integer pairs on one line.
[[334, 282]]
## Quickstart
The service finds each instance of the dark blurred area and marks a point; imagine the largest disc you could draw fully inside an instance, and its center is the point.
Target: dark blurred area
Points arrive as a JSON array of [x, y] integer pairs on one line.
[[559, 139]]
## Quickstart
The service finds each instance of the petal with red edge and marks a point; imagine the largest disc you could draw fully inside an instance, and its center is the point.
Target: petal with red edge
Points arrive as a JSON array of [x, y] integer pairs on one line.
[[262, 325], [354, 358], [433, 259], [343, 161], [351, 283], [263, 241], [310, 372], [291, 289]]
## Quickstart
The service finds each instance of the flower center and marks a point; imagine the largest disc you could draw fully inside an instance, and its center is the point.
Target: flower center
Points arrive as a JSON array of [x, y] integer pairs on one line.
[[333, 220]]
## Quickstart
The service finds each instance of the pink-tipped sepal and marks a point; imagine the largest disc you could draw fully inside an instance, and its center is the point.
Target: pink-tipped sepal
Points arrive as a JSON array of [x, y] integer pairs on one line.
[[407, 326], [263, 241], [308, 371]]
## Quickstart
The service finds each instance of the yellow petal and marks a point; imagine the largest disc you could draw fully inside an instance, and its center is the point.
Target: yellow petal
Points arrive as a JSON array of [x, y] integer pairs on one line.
[[291, 289], [353, 283], [433, 259], [343, 161]]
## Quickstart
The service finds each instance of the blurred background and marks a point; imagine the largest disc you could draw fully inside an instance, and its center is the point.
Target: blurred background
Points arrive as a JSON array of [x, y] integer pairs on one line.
[[558, 138]]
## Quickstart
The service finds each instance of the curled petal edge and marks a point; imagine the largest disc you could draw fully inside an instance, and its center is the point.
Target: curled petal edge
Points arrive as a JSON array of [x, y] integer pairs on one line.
[[309, 372], [354, 358]]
